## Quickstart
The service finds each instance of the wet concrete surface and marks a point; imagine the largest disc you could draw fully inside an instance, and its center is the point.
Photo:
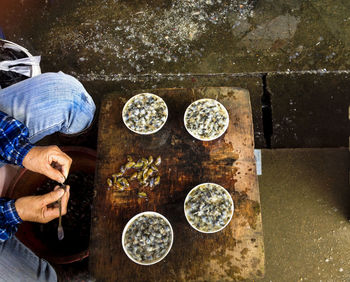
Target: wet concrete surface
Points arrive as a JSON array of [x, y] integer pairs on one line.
[[106, 38]]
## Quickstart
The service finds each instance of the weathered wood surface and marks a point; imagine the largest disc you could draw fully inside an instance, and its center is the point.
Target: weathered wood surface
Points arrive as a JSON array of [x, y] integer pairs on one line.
[[236, 252]]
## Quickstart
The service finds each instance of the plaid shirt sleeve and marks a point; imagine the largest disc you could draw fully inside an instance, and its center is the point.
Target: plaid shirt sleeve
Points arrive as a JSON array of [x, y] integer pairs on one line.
[[9, 219], [14, 143]]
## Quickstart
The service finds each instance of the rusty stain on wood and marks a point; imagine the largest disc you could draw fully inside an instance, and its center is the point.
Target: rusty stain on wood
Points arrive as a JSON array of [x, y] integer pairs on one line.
[[234, 253]]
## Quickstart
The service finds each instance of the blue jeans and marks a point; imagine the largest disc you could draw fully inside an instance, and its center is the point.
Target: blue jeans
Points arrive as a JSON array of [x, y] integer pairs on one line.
[[47, 103], [18, 263]]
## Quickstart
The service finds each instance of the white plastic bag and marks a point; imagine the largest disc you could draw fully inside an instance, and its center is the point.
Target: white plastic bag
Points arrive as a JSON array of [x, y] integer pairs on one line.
[[18, 65]]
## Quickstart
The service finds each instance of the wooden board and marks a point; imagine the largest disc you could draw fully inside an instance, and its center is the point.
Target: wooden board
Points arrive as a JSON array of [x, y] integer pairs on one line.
[[236, 252]]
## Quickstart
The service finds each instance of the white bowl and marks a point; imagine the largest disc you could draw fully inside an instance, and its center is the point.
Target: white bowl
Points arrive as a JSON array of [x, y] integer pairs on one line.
[[219, 107], [225, 195], [137, 97], [132, 220]]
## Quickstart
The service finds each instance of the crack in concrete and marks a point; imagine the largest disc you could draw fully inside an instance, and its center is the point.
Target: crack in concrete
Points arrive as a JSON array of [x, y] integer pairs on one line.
[[266, 113]]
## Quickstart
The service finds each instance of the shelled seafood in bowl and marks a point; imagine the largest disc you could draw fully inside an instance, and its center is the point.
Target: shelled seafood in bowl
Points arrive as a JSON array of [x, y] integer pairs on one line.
[[208, 207], [206, 119], [145, 113], [147, 238]]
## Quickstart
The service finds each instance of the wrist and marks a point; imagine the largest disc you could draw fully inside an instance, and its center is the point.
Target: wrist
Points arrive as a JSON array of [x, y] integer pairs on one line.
[[12, 216], [26, 148], [28, 156], [19, 210]]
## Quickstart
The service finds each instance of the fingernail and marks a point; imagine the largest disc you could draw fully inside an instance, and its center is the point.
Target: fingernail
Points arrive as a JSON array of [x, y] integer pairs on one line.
[[61, 192]]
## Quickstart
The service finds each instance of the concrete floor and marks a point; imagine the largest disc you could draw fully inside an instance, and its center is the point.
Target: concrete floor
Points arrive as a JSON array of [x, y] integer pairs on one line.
[[305, 209]]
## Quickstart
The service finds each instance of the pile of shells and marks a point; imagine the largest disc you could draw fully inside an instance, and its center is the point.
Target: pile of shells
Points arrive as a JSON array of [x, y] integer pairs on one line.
[[143, 173], [147, 238], [145, 113], [208, 207], [206, 119]]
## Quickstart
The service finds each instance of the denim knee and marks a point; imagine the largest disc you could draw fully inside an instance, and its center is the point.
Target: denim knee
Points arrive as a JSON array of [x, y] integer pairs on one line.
[[71, 97]]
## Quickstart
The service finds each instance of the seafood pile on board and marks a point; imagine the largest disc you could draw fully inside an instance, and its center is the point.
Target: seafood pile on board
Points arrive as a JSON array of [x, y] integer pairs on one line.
[[208, 207], [140, 174], [147, 238]]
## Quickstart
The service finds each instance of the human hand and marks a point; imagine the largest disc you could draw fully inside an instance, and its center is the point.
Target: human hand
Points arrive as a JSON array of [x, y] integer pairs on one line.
[[38, 208], [48, 160]]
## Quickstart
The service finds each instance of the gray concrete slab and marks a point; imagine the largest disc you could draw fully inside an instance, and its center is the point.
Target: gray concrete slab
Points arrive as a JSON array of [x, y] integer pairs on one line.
[[305, 207], [310, 110]]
